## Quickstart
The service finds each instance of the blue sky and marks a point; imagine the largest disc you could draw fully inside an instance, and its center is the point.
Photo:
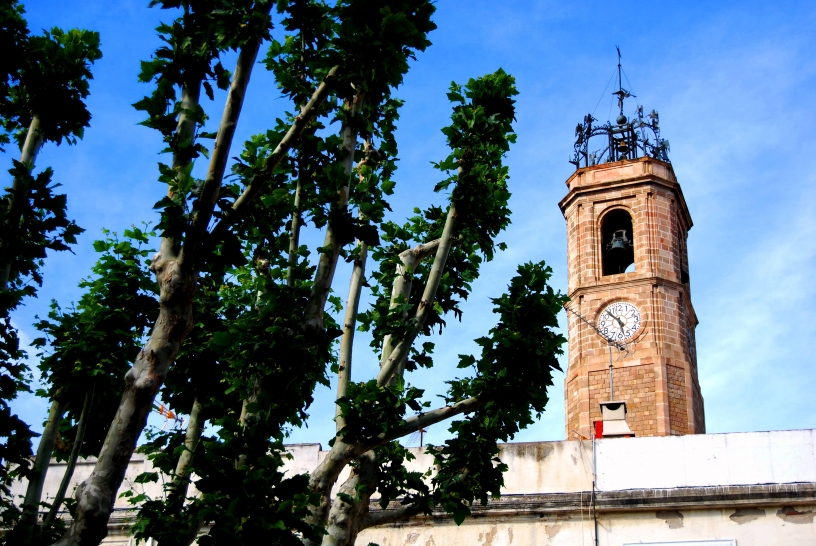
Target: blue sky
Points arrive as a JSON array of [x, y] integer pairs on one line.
[[734, 85]]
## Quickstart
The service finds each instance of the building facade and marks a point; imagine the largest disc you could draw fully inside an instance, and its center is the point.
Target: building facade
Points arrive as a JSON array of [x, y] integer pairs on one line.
[[740, 489], [627, 225]]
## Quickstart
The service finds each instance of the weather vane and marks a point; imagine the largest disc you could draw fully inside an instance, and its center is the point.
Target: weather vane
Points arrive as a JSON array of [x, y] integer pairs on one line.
[[624, 139], [621, 322]]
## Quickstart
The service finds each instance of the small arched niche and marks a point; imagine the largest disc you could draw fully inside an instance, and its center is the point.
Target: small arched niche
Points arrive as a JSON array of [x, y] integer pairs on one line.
[[618, 245]]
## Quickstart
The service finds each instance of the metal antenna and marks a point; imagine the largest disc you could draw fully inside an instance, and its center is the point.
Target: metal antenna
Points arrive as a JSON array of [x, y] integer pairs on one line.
[[418, 435], [620, 82], [621, 92], [612, 342]]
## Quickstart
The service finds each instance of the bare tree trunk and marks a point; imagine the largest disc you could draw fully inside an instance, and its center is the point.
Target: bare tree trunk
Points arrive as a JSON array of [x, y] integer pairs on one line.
[[344, 515], [349, 326], [28, 155], [96, 495], [36, 478], [191, 438], [72, 460], [294, 232], [323, 478], [328, 260], [390, 363], [176, 275]]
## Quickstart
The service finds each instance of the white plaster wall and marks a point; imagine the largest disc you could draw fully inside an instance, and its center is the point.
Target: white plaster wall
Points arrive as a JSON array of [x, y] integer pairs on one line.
[[706, 459], [566, 467], [53, 477], [659, 462], [762, 527], [535, 467]]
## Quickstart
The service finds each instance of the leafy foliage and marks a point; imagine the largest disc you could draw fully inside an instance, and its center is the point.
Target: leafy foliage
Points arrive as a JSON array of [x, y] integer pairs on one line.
[[479, 136], [254, 358], [13, 35], [90, 346], [39, 220], [510, 379], [255, 347], [87, 349], [512, 373], [54, 82], [190, 60], [44, 76]]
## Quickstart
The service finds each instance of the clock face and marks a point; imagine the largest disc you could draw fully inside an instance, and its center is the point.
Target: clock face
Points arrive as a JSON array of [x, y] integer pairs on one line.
[[620, 321]]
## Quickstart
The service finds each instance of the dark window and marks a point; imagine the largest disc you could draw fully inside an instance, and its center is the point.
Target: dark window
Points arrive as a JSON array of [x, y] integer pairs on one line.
[[618, 244]]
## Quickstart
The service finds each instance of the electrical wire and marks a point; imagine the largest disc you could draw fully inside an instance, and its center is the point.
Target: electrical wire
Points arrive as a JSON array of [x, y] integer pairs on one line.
[[631, 89], [604, 92], [586, 470], [609, 114]]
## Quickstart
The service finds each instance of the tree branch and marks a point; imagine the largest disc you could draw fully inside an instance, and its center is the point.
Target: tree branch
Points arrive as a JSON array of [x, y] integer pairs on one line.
[[403, 283], [82, 424], [192, 435], [427, 419], [220, 155], [185, 129], [327, 264], [388, 515], [390, 363], [294, 230], [349, 326], [31, 146], [36, 478], [308, 112]]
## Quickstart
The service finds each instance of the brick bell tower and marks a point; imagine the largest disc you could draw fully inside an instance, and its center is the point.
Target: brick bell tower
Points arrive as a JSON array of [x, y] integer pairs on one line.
[[627, 225]]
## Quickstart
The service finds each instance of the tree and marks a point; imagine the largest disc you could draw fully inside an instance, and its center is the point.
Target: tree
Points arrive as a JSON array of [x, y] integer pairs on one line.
[[43, 83], [363, 49], [510, 376], [243, 501], [242, 335], [84, 353]]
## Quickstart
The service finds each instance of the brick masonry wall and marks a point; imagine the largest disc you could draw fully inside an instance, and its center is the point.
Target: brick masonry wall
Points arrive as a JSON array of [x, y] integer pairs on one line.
[[678, 409], [649, 192], [699, 409], [635, 385], [573, 425]]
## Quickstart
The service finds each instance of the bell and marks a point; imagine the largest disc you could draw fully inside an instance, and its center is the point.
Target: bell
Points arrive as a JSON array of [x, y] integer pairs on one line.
[[619, 241], [617, 244], [623, 147]]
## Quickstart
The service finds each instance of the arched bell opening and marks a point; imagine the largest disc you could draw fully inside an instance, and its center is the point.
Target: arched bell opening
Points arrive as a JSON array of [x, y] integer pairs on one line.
[[618, 252]]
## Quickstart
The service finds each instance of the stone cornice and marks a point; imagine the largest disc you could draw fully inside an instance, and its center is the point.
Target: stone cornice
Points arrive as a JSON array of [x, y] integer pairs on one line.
[[648, 280], [533, 506], [520, 507], [647, 177]]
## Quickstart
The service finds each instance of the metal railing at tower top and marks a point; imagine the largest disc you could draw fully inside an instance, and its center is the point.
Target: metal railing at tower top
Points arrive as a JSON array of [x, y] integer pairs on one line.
[[624, 139]]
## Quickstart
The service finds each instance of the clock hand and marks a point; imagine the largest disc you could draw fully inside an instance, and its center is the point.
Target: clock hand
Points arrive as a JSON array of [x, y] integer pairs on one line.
[[617, 319]]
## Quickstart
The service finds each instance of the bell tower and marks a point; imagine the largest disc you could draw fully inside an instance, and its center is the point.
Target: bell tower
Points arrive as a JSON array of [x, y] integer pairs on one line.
[[628, 281]]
